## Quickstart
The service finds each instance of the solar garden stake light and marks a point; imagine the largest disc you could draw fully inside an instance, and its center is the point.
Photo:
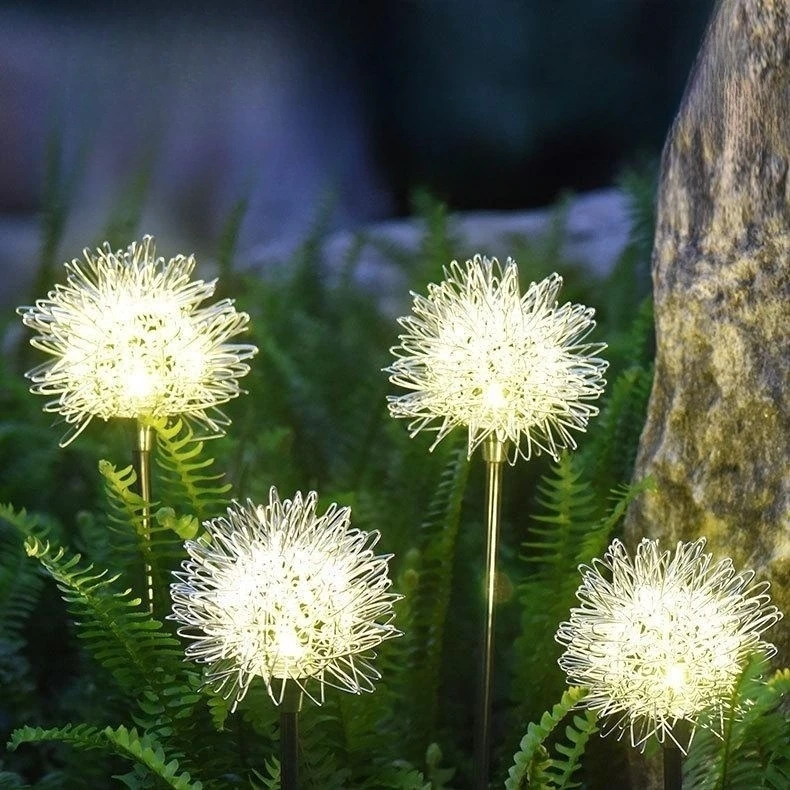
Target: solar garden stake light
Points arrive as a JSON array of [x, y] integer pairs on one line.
[[660, 640], [510, 367], [280, 593], [128, 337]]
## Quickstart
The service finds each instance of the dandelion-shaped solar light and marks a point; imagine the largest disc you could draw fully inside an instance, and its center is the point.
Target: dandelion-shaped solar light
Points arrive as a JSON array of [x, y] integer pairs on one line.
[[514, 369], [660, 640], [128, 336], [280, 593]]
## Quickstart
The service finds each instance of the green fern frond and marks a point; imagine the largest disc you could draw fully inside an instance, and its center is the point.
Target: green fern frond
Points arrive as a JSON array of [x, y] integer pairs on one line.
[[574, 534], [12, 781], [126, 506], [429, 603], [20, 583], [24, 524], [187, 483], [127, 743], [568, 504], [550, 579], [145, 662], [532, 764], [133, 539], [61, 178], [228, 240], [323, 753], [436, 248], [157, 544], [562, 769], [639, 186], [595, 542], [139, 654], [610, 453], [400, 776], [754, 751], [271, 779], [359, 420]]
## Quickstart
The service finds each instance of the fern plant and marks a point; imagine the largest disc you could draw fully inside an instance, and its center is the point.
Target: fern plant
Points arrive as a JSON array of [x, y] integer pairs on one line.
[[533, 766], [316, 418], [128, 743], [754, 751]]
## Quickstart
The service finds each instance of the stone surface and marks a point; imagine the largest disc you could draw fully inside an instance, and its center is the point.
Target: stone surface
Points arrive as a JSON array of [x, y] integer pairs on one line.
[[717, 438], [596, 230], [597, 226]]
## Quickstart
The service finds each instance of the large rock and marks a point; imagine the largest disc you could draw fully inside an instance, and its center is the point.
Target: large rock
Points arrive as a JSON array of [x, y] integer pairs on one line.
[[717, 437]]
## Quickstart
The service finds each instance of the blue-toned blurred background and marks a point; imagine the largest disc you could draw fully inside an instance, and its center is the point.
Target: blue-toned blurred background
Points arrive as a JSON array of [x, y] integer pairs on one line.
[[320, 105]]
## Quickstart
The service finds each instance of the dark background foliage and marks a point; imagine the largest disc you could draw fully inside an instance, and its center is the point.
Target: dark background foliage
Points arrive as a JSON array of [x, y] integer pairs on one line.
[[487, 105]]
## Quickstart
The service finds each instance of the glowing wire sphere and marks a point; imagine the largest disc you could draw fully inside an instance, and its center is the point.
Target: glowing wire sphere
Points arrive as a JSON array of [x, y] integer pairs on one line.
[[663, 637], [280, 593], [478, 353], [129, 338]]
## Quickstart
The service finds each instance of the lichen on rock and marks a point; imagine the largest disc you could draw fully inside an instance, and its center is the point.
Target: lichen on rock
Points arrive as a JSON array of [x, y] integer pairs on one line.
[[717, 436]]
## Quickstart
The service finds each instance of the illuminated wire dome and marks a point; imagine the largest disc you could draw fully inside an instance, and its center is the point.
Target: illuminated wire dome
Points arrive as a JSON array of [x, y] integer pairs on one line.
[[476, 352], [663, 637], [281, 593], [128, 337]]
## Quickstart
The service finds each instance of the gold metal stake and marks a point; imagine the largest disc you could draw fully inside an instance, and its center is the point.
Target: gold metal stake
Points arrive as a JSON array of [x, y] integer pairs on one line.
[[144, 443], [495, 455]]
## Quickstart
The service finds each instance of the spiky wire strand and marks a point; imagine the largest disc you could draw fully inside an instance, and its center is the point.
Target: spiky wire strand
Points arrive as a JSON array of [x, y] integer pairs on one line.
[[128, 336], [477, 353], [281, 593], [662, 638]]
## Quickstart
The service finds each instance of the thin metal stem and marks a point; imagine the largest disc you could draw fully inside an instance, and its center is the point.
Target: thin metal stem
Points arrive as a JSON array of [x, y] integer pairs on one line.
[[494, 454], [673, 757], [289, 736], [143, 445]]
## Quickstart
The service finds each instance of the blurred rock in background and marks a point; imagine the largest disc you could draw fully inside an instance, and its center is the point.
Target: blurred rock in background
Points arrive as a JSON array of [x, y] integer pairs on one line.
[[166, 117]]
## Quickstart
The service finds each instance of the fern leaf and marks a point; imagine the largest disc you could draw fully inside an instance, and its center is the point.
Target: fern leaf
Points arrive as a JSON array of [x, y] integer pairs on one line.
[[187, 480], [754, 746], [323, 755], [229, 237], [126, 506], [546, 592], [610, 453], [20, 584], [24, 523], [531, 762], [127, 209], [430, 601], [157, 542], [127, 743], [563, 769], [573, 534], [142, 658]]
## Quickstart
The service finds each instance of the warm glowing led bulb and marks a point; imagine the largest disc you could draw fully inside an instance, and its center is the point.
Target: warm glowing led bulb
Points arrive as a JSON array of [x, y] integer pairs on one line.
[[676, 677], [477, 352], [130, 337], [663, 637], [278, 592]]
